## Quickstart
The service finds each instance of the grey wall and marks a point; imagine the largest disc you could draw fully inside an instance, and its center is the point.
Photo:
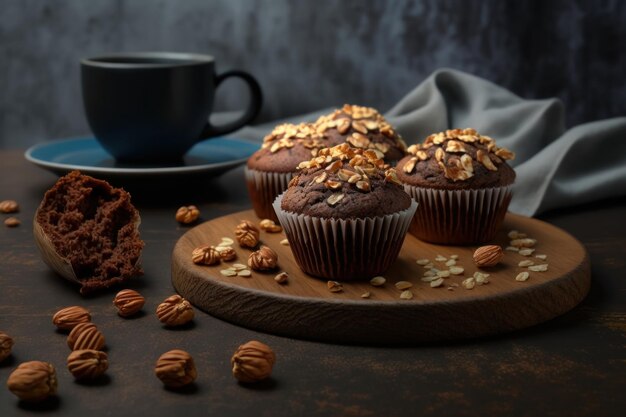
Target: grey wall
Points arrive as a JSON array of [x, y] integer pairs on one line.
[[313, 54]]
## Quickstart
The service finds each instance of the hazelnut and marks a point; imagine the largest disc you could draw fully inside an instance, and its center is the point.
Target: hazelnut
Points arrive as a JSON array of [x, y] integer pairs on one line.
[[264, 259], [487, 256], [6, 343], [128, 302], [176, 369], [175, 311], [187, 214], [87, 363], [68, 317], [33, 381], [253, 362], [85, 336], [247, 234]]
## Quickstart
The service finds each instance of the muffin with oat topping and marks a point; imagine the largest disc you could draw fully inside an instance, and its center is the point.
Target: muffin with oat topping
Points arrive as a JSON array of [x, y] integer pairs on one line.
[[270, 169], [364, 128], [345, 214], [462, 183]]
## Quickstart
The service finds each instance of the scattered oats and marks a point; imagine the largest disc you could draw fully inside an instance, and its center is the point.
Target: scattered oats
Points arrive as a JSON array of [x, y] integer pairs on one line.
[[514, 234], [451, 262], [480, 275], [481, 279], [455, 257], [526, 251], [538, 268], [523, 243], [239, 267], [284, 242], [226, 241], [512, 249], [378, 281], [430, 278], [541, 256], [334, 286], [443, 274], [244, 273], [406, 295], [403, 285], [429, 266], [422, 261], [469, 283], [457, 270], [440, 258], [228, 272], [525, 263], [450, 288], [365, 295], [430, 273], [436, 283], [282, 278], [522, 276]]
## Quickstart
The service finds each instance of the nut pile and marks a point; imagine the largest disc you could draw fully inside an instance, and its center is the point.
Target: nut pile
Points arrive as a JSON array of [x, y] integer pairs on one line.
[[457, 153]]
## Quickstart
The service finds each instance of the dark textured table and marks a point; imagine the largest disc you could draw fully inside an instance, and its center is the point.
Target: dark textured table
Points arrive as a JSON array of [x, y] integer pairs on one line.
[[572, 366]]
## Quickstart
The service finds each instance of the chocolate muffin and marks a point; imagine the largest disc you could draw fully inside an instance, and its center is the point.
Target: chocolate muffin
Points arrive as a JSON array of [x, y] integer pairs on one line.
[[345, 214], [87, 230], [270, 169], [462, 183], [364, 128]]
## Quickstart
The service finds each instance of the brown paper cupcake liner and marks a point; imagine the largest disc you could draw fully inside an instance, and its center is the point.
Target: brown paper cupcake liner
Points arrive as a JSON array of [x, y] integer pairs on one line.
[[458, 217], [263, 188], [345, 249]]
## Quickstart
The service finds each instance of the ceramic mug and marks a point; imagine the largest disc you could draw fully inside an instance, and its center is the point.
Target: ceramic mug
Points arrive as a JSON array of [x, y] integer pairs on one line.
[[154, 106]]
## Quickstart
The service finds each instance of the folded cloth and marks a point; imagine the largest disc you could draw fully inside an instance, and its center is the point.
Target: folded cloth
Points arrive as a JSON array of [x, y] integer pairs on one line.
[[555, 168]]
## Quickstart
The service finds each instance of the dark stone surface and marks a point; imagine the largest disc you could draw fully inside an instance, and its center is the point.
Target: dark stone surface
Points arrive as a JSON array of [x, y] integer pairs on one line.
[[310, 55]]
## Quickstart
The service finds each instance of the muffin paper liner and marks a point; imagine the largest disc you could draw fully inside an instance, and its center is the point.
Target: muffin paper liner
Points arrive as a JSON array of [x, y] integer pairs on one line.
[[345, 249], [458, 217], [263, 188]]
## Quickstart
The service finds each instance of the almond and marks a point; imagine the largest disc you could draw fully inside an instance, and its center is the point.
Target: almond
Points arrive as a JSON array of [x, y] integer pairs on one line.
[[487, 256]]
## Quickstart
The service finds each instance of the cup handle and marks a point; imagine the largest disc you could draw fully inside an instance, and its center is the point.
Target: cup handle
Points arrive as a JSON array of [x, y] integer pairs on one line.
[[256, 99]]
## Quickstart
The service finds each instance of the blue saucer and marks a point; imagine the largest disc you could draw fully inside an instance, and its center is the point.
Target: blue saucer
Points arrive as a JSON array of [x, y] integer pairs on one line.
[[210, 157]]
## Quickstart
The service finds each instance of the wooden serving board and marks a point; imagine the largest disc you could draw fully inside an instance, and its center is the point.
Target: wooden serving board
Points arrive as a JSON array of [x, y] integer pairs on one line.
[[305, 308]]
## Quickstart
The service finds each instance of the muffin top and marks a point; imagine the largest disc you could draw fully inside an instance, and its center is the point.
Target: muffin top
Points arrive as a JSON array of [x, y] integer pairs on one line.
[[457, 159], [344, 182], [362, 127], [286, 146]]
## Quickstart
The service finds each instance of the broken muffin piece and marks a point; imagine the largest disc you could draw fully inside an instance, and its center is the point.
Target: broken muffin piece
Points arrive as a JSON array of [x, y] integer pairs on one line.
[[88, 231]]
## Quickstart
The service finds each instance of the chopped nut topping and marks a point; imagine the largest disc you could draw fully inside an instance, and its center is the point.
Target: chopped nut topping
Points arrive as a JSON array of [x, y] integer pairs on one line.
[[334, 199], [410, 165], [484, 159]]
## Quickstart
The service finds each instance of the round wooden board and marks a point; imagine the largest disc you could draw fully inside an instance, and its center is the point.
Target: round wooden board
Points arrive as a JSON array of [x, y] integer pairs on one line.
[[305, 308]]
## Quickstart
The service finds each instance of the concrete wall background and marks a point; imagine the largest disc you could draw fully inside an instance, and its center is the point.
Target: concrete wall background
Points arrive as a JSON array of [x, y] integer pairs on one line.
[[313, 54]]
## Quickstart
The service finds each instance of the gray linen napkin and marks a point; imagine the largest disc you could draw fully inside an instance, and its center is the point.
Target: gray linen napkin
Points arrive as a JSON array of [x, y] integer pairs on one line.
[[555, 168]]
